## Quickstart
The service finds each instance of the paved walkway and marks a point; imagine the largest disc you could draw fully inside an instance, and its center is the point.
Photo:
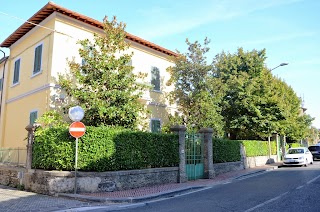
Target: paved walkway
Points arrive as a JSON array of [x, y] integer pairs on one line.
[[13, 200]]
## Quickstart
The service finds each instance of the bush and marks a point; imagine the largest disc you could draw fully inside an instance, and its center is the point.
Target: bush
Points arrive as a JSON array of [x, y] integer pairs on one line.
[[104, 149], [259, 148], [226, 150]]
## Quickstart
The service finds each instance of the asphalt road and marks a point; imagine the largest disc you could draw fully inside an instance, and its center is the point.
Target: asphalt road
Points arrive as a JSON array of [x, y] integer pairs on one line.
[[292, 189]]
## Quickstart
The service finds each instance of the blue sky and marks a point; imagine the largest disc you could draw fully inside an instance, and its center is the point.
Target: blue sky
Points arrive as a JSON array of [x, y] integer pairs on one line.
[[288, 29]]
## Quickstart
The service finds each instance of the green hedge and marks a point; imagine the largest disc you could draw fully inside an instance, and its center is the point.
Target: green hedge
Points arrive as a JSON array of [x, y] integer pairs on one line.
[[104, 149], [226, 150], [258, 148]]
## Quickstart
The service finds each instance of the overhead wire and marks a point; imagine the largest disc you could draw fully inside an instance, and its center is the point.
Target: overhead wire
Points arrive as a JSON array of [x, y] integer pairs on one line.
[[15, 17]]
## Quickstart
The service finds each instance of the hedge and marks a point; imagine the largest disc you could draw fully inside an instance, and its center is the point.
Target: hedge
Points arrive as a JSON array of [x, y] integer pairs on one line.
[[225, 150], [258, 148], [104, 149]]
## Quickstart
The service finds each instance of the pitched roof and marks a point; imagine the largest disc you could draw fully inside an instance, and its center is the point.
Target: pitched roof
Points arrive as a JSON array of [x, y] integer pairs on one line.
[[51, 7]]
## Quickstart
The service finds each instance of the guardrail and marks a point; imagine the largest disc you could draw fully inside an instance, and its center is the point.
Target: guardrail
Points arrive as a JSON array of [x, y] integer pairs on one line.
[[13, 156]]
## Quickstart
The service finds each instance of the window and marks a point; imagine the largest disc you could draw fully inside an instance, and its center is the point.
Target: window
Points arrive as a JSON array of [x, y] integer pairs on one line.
[[155, 125], [37, 59], [16, 72], [1, 81], [155, 78], [33, 116]]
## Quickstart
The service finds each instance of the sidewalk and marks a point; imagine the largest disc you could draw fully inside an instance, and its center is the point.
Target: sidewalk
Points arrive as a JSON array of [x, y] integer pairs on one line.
[[168, 190]]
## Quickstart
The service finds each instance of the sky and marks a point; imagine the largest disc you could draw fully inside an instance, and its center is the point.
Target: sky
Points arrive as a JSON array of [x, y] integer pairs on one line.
[[289, 30]]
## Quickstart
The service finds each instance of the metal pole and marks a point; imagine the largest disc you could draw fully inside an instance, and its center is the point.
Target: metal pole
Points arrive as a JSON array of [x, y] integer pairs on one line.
[[75, 168], [269, 145]]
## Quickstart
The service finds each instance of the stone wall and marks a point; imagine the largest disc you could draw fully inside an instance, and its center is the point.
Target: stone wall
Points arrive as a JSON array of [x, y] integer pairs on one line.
[[250, 162], [52, 182], [11, 176], [221, 168]]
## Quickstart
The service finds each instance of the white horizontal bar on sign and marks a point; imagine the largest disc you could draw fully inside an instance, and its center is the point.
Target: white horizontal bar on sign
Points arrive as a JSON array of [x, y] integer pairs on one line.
[[74, 129]]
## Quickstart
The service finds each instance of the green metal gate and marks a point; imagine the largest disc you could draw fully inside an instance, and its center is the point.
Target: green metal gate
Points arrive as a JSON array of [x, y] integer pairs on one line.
[[194, 148]]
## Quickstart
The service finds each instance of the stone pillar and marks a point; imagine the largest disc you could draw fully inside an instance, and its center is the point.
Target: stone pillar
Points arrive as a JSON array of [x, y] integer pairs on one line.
[[208, 152], [30, 128], [243, 156], [278, 146], [181, 131]]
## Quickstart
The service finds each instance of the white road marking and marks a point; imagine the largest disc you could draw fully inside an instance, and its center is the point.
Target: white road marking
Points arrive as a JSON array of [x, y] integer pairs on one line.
[[266, 202], [314, 179]]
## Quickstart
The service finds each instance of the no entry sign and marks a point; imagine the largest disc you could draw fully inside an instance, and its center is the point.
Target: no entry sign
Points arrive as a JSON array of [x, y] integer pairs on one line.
[[77, 129]]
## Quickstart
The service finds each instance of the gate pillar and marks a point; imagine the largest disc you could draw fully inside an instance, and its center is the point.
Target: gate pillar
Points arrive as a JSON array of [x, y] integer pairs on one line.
[[181, 131], [208, 152]]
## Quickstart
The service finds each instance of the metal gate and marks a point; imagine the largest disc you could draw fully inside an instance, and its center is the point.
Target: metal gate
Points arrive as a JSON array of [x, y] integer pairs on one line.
[[194, 148]]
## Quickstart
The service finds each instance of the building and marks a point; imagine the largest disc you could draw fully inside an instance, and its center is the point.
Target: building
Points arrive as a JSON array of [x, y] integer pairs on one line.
[[39, 50]]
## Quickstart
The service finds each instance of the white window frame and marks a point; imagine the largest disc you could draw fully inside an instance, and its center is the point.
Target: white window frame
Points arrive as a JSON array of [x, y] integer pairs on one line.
[[34, 59], [14, 65]]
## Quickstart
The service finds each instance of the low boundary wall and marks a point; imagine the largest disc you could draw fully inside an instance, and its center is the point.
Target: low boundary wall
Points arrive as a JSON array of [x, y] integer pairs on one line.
[[52, 182]]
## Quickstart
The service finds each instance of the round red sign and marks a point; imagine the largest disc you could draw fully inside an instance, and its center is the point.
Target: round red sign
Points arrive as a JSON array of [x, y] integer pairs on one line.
[[77, 129]]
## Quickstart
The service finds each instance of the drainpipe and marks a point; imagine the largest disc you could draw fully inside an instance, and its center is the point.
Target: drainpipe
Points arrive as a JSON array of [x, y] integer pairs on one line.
[[4, 68]]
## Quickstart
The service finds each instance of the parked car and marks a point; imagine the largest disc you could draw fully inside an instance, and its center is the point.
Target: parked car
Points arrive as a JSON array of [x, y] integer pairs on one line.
[[315, 151], [298, 156]]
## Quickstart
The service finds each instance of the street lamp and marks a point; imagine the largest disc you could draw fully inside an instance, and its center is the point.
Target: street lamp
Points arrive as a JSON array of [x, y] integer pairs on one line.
[[269, 143], [281, 64]]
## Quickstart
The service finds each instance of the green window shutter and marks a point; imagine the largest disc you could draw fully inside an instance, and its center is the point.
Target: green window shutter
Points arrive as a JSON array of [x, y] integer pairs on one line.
[[155, 126], [16, 71], [33, 116], [1, 84], [155, 78], [37, 59]]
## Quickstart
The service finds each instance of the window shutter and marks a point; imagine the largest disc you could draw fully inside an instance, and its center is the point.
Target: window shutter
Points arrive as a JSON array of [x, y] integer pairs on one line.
[[155, 78], [37, 59], [16, 71], [155, 126], [33, 116]]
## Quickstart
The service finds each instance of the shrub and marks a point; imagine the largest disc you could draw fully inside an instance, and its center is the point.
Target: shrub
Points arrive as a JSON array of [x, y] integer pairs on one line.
[[104, 149], [258, 148], [226, 150]]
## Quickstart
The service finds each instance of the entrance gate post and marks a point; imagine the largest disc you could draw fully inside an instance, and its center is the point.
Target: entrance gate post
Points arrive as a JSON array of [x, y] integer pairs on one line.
[[181, 131], [208, 152]]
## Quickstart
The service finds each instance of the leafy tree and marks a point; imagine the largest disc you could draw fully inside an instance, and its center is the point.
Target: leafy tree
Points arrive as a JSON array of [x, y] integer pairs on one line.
[[296, 124], [104, 84], [249, 107], [194, 93]]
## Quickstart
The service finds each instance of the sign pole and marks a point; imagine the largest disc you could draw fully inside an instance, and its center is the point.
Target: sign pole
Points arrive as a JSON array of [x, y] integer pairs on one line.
[[76, 167], [76, 129]]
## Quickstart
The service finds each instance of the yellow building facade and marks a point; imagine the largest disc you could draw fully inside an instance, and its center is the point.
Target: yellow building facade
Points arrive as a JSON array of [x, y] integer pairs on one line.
[[39, 53]]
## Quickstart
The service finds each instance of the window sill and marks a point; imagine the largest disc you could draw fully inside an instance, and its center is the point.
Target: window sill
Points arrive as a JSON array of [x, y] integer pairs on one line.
[[36, 74], [156, 91], [15, 84]]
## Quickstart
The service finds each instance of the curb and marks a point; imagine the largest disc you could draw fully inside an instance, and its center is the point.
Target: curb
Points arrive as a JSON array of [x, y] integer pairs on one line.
[[255, 172], [164, 194]]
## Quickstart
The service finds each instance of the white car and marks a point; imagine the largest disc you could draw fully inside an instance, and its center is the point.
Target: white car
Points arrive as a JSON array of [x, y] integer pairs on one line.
[[298, 156]]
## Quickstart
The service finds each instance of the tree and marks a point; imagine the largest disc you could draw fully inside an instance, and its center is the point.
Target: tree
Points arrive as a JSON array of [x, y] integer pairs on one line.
[[249, 108], [194, 93], [104, 85]]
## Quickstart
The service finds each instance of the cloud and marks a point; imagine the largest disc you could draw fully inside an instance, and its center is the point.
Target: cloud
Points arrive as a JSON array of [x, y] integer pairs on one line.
[[178, 18]]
